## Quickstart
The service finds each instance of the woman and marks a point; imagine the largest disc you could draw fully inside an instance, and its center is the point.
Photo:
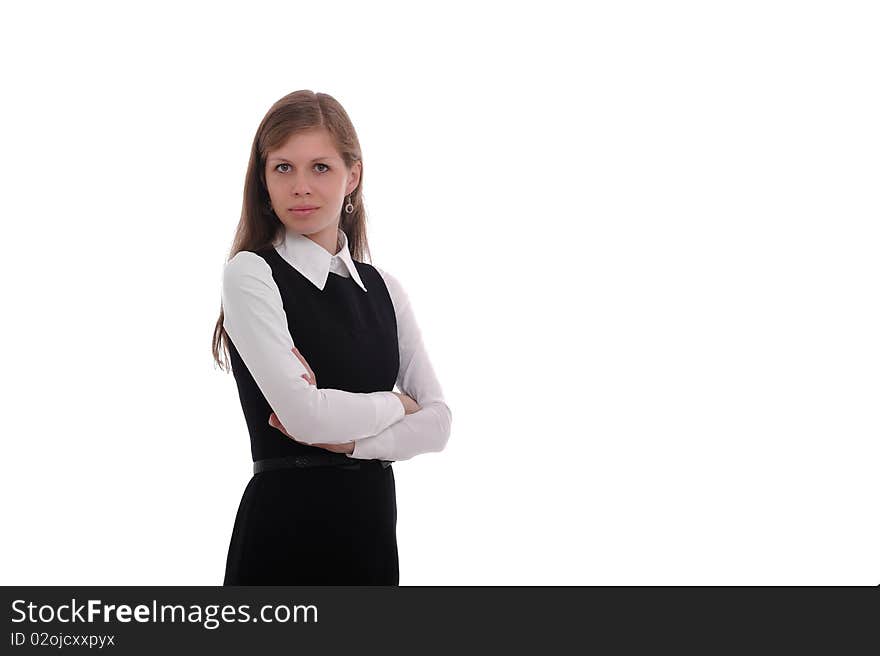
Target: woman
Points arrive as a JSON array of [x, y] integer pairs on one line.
[[299, 305]]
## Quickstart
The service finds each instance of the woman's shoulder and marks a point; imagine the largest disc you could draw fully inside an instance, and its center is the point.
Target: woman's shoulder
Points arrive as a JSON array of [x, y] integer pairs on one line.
[[387, 278], [246, 265], [392, 283]]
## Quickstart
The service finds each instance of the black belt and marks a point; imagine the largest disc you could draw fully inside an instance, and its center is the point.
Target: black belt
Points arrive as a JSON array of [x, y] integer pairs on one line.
[[329, 459]]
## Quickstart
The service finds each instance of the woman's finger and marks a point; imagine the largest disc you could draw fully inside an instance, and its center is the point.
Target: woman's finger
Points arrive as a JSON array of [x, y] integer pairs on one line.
[[305, 363], [274, 422], [314, 380]]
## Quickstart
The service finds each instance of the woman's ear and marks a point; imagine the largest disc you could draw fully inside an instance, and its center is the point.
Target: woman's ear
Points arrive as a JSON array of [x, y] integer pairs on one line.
[[354, 178]]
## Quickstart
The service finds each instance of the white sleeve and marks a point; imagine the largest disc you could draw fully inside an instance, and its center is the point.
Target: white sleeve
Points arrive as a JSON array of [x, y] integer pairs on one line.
[[423, 431], [255, 321]]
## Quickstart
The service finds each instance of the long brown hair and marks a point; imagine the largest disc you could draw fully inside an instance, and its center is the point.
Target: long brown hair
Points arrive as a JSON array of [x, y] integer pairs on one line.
[[258, 226]]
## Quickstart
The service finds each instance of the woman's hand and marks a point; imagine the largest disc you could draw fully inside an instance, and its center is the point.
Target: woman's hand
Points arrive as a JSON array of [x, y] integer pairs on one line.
[[310, 376], [347, 447], [409, 403]]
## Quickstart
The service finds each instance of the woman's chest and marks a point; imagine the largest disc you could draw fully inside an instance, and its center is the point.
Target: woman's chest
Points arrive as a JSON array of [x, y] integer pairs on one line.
[[348, 336]]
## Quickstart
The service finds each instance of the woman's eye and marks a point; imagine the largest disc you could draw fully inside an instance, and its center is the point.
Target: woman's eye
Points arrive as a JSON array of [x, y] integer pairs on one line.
[[318, 164]]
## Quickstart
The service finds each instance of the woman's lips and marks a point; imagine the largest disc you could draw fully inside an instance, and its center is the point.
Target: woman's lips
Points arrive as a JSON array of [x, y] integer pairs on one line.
[[301, 211]]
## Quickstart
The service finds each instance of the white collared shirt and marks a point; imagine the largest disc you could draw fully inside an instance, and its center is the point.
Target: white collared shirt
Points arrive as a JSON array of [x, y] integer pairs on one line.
[[254, 318]]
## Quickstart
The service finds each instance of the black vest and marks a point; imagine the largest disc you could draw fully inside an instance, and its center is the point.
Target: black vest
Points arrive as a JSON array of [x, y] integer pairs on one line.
[[348, 337]]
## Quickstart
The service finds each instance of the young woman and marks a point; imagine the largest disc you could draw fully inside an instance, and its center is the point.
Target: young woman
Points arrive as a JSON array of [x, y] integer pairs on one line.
[[317, 340]]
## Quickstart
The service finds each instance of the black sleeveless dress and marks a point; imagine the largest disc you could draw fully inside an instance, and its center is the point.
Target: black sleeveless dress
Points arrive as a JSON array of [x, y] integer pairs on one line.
[[327, 525]]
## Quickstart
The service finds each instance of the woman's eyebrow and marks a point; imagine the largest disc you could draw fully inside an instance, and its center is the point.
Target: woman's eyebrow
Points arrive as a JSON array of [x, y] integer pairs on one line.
[[282, 159]]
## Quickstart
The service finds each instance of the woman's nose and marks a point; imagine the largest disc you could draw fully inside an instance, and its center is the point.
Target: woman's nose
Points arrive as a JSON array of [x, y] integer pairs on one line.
[[299, 186]]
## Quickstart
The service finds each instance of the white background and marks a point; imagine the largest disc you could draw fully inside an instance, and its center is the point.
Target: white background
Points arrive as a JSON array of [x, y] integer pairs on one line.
[[641, 241]]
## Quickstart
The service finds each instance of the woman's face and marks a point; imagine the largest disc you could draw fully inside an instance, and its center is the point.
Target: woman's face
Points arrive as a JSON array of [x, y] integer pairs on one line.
[[308, 171]]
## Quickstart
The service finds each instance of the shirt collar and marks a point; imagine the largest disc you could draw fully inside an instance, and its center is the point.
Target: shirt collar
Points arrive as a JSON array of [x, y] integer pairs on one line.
[[313, 261]]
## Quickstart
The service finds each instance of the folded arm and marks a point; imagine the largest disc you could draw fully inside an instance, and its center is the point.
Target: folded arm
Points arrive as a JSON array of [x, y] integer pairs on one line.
[[255, 321], [428, 429]]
